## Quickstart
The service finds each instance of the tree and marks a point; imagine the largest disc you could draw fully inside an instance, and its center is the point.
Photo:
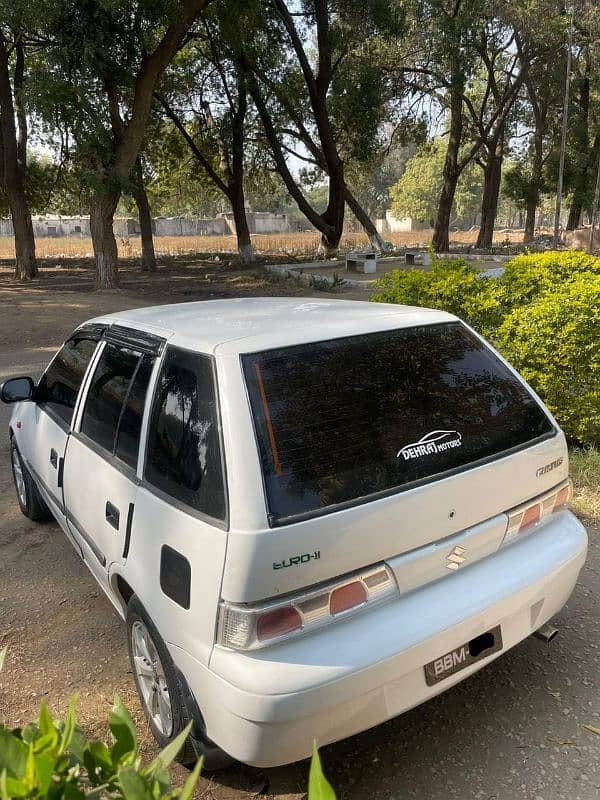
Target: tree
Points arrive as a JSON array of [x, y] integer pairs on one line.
[[209, 109], [584, 142], [13, 136], [504, 73], [104, 66], [417, 192], [544, 86], [310, 106]]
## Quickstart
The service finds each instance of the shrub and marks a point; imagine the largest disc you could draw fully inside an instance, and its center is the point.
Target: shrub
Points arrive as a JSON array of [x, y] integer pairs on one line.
[[527, 276], [554, 342], [450, 285], [48, 759]]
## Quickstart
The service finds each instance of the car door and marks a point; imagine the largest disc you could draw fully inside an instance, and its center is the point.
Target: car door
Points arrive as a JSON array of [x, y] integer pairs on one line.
[[43, 434], [100, 480]]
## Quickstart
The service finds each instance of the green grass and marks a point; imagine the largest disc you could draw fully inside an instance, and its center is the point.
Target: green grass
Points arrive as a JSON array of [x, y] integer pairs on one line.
[[585, 472]]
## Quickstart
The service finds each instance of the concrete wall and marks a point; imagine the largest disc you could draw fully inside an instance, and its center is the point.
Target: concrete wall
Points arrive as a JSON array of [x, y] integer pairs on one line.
[[258, 222], [187, 226], [392, 224]]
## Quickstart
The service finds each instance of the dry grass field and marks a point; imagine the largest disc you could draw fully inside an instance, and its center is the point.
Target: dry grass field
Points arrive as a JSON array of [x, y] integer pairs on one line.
[[278, 244]]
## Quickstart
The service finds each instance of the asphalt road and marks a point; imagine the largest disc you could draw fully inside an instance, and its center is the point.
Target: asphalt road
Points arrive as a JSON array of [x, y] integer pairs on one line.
[[514, 730]]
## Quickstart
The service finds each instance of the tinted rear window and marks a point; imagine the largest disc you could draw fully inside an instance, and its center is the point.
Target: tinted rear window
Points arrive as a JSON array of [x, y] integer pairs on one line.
[[341, 420]]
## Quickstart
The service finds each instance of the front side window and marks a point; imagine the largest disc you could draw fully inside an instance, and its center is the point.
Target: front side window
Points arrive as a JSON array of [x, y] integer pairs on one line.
[[183, 457], [60, 384], [340, 420], [114, 406]]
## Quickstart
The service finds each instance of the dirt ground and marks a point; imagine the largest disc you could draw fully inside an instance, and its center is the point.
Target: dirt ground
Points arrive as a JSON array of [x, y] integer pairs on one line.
[[514, 730], [285, 246]]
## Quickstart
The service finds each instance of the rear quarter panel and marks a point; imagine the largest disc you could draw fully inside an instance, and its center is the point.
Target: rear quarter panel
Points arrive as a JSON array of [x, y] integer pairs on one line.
[[158, 523]]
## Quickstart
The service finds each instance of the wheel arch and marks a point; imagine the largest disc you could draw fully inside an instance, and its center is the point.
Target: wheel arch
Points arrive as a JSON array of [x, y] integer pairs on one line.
[[122, 590]]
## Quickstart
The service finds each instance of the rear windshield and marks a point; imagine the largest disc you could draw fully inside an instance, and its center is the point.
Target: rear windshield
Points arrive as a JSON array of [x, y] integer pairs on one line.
[[342, 420]]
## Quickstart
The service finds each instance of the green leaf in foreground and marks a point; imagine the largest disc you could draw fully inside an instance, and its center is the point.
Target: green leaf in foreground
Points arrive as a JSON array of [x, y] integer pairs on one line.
[[319, 787], [123, 731], [187, 792]]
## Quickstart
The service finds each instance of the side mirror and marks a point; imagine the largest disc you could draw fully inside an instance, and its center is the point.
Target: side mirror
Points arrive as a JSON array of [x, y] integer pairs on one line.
[[15, 389]]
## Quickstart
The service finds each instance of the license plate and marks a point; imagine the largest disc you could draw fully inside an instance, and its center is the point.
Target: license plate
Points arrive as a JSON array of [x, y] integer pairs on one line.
[[462, 657]]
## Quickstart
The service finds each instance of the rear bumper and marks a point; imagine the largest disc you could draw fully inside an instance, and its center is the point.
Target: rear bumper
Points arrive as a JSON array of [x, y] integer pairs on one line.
[[266, 708]]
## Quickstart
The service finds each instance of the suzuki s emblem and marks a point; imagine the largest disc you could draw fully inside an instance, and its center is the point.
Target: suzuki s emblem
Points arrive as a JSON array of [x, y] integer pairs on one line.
[[456, 558]]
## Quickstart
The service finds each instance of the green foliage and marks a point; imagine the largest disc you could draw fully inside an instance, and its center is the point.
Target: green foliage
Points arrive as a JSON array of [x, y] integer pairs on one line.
[[53, 759], [526, 276], [554, 342], [418, 191], [450, 285], [542, 315], [319, 787]]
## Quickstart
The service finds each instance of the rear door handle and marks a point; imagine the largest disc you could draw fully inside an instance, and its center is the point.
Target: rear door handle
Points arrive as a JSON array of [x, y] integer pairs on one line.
[[54, 458], [112, 515]]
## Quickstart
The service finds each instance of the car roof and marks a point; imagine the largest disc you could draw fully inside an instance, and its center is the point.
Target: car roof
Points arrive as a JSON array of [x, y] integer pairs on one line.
[[251, 324]]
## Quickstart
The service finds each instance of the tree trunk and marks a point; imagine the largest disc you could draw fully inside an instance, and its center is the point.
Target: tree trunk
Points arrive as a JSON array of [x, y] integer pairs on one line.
[[365, 220], [13, 169], [102, 212], [491, 191], [575, 211], [242, 231], [145, 219], [451, 172], [26, 265], [537, 167], [334, 213]]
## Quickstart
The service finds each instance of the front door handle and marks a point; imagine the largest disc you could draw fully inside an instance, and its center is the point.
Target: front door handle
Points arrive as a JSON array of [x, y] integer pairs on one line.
[[54, 458], [112, 515]]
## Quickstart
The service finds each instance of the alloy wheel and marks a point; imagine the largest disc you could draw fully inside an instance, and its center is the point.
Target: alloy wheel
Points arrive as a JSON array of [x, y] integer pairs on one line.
[[151, 679], [19, 477]]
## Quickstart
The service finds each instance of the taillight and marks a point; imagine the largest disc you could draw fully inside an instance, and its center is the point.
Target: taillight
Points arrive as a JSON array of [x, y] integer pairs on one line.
[[529, 514], [277, 623], [347, 597], [245, 627]]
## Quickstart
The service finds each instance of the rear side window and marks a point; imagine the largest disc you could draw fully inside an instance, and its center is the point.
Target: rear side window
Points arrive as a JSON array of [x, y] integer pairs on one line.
[[183, 454], [114, 406], [130, 426], [342, 420], [60, 384]]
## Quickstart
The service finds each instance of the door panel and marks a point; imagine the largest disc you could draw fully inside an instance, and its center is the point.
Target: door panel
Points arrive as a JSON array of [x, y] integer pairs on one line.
[[100, 464], [98, 493], [42, 442]]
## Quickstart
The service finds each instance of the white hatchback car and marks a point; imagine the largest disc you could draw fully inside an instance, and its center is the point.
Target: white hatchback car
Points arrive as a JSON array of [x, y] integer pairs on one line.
[[314, 515]]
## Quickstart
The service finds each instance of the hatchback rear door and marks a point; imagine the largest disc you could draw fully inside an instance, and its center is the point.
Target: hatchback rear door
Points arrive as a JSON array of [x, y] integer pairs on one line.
[[377, 444]]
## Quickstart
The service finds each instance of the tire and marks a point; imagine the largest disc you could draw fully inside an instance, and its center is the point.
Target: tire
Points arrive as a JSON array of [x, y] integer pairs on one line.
[[30, 500], [163, 684]]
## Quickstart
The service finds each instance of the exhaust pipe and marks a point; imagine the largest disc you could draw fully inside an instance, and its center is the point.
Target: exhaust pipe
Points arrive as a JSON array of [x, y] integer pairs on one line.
[[546, 633]]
